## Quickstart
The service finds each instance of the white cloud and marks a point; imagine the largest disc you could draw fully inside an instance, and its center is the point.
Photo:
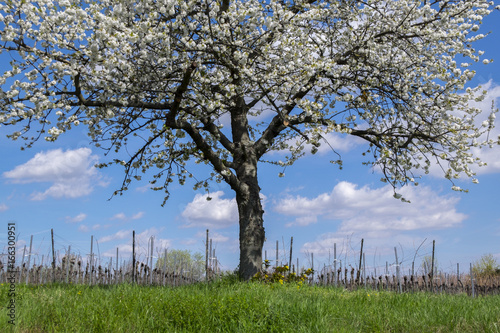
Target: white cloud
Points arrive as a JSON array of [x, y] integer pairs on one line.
[[368, 210], [142, 245], [123, 217], [216, 213], [71, 172], [83, 228], [3, 207], [214, 236], [79, 218], [137, 216], [119, 216], [373, 214], [117, 235], [101, 226]]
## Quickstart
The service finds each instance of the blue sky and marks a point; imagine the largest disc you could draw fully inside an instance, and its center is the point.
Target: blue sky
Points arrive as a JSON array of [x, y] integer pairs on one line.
[[54, 185]]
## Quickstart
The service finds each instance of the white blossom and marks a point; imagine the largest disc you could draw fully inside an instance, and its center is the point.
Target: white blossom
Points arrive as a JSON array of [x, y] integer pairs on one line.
[[171, 72]]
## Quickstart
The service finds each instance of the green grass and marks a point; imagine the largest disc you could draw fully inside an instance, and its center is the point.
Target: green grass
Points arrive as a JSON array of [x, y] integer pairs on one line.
[[242, 307]]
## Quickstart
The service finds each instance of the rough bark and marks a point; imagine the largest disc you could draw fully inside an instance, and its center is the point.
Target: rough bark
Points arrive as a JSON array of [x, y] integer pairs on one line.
[[250, 211], [247, 193]]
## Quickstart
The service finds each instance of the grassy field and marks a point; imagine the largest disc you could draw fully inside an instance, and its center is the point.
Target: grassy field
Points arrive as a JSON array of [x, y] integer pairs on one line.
[[242, 307]]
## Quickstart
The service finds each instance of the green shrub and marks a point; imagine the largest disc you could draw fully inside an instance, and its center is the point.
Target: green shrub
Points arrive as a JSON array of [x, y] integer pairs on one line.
[[486, 266]]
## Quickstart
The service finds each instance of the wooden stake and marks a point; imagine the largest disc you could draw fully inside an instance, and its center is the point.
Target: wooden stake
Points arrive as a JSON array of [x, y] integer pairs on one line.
[[133, 256], [164, 266], [91, 257], [68, 263], [358, 275], [277, 244], [312, 264], [206, 258], [472, 281], [335, 263], [432, 266], [397, 269], [151, 262], [53, 257], [29, 261], [22, 263]]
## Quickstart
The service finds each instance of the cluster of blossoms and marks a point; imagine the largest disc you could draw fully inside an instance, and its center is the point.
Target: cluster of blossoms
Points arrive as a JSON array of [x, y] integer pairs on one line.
[[319, 67], [281, 275]]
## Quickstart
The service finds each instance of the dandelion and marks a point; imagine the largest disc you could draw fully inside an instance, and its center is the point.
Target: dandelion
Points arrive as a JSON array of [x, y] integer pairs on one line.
[[281, 281]]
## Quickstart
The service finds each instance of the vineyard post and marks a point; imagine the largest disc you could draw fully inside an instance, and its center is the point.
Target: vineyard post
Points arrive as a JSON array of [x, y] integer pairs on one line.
[[364, 270], [53, 257], [22, 263], [29, 261], [358, 275], [472, 281], [458, 272], [211, 258], [91, 257], [68, 262], [116, 270], [151, 262], [432, 266], [216, 266], [312, 266], [133, 256], [206, 258], [291, 246], [335, 263], [397, 269], [277, 245], [412, 275], [164, 266]]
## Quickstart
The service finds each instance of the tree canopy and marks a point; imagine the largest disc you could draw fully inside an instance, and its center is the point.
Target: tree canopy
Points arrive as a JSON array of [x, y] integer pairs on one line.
[[177, 261], [225, 82]]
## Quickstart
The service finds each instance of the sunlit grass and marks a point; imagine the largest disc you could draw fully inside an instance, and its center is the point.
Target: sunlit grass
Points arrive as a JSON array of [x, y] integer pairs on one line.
[[243, 307]]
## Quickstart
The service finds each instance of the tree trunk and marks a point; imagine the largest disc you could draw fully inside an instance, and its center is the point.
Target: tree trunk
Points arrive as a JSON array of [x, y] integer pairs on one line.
[[251, 221]]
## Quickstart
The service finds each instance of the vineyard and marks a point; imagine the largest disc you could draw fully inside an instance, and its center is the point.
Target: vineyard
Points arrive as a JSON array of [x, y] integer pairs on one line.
[[72, 268]]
